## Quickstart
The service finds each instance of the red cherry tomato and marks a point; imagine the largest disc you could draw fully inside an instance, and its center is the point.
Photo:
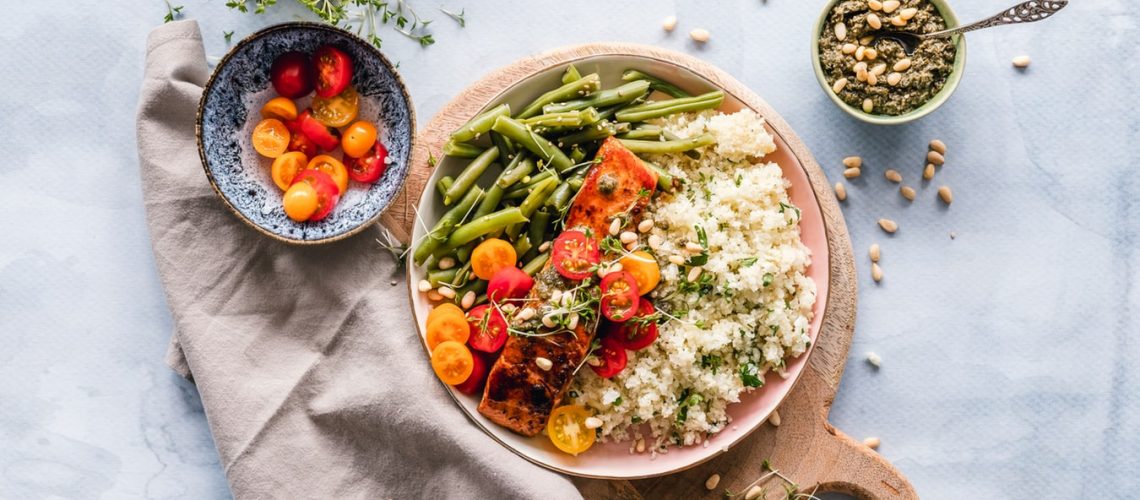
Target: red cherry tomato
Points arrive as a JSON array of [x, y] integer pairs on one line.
[[509, 283], [292, 75], [478, 377], [328, 138], [369, 167], [612, 356], [488, 329], [334, 71], [639, 331], [328, 194], [575, 254], [620, 296], [299, 141]]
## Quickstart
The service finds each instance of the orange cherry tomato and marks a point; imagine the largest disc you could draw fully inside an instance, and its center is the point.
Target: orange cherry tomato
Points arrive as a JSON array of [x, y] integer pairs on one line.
[[447, 327], [644, 269], [492, 255], [301, 201], [452, 362], [338, 110], [333, 167], [270, 138], [280, 108], [567, 429], [444, 309], [358, 138], [285, 168]]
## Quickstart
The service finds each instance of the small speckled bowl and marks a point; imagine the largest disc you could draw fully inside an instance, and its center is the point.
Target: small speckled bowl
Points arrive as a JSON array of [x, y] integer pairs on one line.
[[934, 103], [229, 110]]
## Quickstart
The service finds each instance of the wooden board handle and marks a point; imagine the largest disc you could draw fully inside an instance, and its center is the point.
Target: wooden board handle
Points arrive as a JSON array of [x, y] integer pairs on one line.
[[857, 470]]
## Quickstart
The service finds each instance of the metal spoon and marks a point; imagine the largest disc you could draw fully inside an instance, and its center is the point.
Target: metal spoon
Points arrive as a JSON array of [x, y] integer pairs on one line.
[[1025, 12]]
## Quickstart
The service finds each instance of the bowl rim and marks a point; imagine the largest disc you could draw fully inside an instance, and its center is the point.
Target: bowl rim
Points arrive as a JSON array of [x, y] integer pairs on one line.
[[320, 27], [929, 106]]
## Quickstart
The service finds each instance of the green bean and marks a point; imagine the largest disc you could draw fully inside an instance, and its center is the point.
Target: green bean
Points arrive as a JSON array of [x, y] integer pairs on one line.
[[669, 136], [489, 223], [522, 245], [657, 147], [577, 154], [664, 179], [442, 276], [480, 124], [443, 228], [602, 98], [443, 183], [536, 264], [653, 132], [658, 109], [533, 201], [526, 138], [573, 119], [470, 174], [575, 183], [506, 147], [512, 174], [571, 75], [463, 254], [642, 134], [477, 286], [462, 275], [600, 130], [572, 90], [536, 231], [527, 186], [560, 197], [516, 194], [490, 202], [655, 83], [461, 150]]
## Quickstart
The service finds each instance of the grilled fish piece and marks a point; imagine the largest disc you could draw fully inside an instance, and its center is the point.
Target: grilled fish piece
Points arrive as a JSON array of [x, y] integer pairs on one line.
[[519, 395]]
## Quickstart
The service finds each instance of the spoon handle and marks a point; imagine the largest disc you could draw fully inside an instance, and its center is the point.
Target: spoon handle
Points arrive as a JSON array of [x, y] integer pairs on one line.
[[1025, 12]]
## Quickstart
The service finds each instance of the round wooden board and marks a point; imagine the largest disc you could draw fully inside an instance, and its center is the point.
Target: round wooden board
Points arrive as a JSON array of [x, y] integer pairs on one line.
[[805, 448]]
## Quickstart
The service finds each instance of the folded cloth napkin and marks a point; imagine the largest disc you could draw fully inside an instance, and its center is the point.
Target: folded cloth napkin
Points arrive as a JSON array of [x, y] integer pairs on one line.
[[307, 359]]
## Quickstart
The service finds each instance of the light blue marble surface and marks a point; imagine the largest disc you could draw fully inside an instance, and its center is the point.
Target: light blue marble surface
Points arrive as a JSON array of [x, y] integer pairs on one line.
[[1009, 353]]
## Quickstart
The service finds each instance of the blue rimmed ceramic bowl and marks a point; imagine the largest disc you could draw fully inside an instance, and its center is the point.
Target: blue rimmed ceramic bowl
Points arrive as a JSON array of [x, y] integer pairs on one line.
[[229, 109]]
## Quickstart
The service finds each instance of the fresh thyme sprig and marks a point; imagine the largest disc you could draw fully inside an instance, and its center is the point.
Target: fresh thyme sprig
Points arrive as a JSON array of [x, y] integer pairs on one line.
[[457, 17], [365, 17], [229, 35], [172, 12]]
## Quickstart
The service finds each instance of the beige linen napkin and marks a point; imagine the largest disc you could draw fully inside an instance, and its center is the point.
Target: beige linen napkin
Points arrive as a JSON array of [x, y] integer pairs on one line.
[[307, 360]]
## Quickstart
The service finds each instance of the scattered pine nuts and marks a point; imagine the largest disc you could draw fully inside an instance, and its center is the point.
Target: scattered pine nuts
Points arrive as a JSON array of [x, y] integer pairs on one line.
[[712, 481], [628, 237], [526, 314], [888, 225], [893, 175], [543, 363], [872, 54], [446, 263], [938, 146], [903, 64], [894, 79], [774, 418], [593, 422], [873, 21], [544, 246], [694, 247], [928, 172], [898, 21], [572, 323], [866, 40], [434, 296], [874, 359], [445, 292], [694, 274], [645, 226], [423, 286], [1021, 62], [853, 162], [875, 4], [669, 23], [468, 300], [936, 158], [640, 443], [655, 241], [840, 191], [852, 173], [849, 48], [876, 272], [872, 443], [860, 53], [840, 31], [615, 227], [868, 105], [890, 6], [839, 84], [548, 321], [908, 13], [754, 493], [872, 79], [907, 192], [699, 35], [879, 69], [677, 259], [945, 194], [875, 252], [859, 66]]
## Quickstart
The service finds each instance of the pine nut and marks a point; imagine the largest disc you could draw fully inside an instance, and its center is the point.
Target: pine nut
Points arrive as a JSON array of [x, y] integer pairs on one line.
[[544, 246], [894, 79], [694, 274], [655, 241], [853, 162], [876, 272], [543, 364], [907, 192], [526, 314], [866, 40], [641, 445], [1021, 62], [852, 173], [879, 69], [548, 321], [508, 308], [468, 300], [902, 64], [861, 74], [572, 323], [860, 52], [838, 86], [890, 5], [873, 21], [694, 247], [556, 297], [712, 481], [859, 66], [849, 48], [874, 5], [888, 225], [893, 175], [592, 361], [936, 158], [447, 293], [669, 23], [868, 105], [872, 79], [874, 359], [645, 226], [755, 491], [939, 146], [946, 195], [434, 296], [871, 54], [840, 191], [699, 35], [774, 418], [593, 422], [928, 172], [567, 299], [628, 237], [908, 13], [446, 263], [875, 252], [840, 31], [423, 286], [872, 443], [898, 21], [677, 259]]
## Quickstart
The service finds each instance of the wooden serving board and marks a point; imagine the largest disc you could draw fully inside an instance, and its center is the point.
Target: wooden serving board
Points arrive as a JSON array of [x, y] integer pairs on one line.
[[806, 448]]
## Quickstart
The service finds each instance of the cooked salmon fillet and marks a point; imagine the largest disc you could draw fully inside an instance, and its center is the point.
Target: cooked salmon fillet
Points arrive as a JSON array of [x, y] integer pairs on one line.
[[519, 395]]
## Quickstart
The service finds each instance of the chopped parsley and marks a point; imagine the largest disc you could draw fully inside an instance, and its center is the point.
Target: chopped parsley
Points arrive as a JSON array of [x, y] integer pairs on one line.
[[768, 277], [703, 257], [748, 262], [686, 401], [750, 375], [618, 401], [711, 361]]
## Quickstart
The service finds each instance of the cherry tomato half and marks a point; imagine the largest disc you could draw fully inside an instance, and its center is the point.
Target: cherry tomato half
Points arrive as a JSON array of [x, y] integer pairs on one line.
[[300, 201], [488, 329], [575, 254], [270, 138], [327, 193], [447, 327], [338, 110], [299, 141], [370, 167], [292, 75], [334, 70], [644, 267], [328, 138], [567, 429], [452, 362], [333, 167], [492, 255], [286, 167], [281, 108], [638, 332], [474, 382], [509, 283], [612, 356], [619, 296], [358, 138]]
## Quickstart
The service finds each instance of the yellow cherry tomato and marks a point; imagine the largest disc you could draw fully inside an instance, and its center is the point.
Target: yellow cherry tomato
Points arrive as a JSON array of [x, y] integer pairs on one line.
[[444, 309], [492, 255], [358, 138], [300, 201], [271, 138], [286, 167], [338, 110], [447, 327], [333, 167], [644, 269], [567, 429], [280, 108], [452, 362]]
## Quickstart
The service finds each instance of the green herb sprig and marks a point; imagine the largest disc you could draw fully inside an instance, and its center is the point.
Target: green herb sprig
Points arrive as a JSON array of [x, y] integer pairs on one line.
[[172, 12]]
